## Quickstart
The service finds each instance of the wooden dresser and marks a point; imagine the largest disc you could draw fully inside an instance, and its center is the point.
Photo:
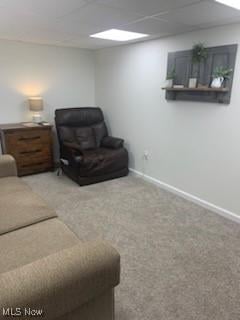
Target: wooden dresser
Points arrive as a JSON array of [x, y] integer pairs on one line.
[[31, 146]]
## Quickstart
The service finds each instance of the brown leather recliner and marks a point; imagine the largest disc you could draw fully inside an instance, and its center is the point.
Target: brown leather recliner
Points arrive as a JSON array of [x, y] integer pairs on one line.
[[88, 154]]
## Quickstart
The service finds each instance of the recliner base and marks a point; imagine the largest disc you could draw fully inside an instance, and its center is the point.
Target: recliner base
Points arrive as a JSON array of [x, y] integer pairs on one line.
[[83, 181]]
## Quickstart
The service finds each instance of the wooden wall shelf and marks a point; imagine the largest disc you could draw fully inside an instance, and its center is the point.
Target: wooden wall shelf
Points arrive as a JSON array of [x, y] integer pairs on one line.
[[181, 62], [222, 90]]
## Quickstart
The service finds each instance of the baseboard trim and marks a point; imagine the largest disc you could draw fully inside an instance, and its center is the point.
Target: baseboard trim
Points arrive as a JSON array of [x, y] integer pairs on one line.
[[205, 204]]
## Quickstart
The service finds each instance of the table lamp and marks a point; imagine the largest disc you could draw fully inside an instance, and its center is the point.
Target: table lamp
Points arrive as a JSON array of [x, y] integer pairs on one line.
[[36, 105]]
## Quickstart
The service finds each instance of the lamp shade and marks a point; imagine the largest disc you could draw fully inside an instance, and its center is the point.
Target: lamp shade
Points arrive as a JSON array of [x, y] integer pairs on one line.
[[35, 104]]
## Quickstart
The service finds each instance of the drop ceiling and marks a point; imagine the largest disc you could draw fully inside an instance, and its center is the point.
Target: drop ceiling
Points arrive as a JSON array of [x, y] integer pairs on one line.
[[71, 22]]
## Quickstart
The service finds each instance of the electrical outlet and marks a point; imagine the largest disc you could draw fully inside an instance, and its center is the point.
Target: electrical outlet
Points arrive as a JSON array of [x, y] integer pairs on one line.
[[146, 155]]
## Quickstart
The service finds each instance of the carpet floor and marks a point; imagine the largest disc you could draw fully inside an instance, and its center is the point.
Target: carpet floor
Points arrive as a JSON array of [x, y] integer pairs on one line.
[[179, 261]]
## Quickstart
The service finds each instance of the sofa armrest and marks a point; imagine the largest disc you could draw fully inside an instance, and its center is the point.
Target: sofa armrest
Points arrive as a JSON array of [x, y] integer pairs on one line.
[[61, 282], [7, 166], [111, 142]]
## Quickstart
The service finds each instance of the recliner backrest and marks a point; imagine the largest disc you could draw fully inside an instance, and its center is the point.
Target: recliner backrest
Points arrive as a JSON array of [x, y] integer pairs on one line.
[[84, 126]]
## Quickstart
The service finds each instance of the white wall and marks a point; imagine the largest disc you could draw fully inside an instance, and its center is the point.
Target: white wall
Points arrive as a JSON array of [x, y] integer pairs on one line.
[[64, 77], [193, 146]]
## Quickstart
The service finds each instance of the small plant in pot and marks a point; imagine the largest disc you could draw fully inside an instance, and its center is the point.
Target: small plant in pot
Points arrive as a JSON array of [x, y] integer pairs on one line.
[[220, 74], [193, 80], [170, 78], [199, 54]]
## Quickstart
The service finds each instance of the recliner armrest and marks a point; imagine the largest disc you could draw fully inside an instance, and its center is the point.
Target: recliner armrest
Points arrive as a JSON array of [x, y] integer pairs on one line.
[[72, 146], [72, 152], [112, 142], [8, 166], [61, 282]]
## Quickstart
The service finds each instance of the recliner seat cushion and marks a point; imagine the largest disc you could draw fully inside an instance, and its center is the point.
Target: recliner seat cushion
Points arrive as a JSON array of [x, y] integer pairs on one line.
[[103, 161]]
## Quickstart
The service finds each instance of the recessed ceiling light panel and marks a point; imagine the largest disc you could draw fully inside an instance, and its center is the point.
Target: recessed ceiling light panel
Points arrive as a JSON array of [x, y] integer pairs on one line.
[[231, 3], [118, 35]]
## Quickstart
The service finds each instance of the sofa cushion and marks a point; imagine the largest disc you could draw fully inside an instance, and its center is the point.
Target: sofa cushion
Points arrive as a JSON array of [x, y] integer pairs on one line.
[[10, 185], [19, 206], [34, 242]]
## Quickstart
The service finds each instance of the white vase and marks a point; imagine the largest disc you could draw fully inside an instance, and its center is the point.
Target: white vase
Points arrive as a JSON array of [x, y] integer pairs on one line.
[[192, 83], [169, 83], [217, 82]]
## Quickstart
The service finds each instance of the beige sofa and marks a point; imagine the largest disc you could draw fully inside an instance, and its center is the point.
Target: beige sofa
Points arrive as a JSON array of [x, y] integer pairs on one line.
[[44, 268]]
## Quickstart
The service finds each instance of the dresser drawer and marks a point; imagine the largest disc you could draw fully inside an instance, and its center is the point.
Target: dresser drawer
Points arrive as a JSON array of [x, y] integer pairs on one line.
[[34, 154], [27, 140], [41, 166]]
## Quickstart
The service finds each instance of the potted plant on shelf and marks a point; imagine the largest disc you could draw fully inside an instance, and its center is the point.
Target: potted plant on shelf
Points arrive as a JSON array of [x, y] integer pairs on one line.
[[220, 74], [193, 80], [199, 54], [170, 78]]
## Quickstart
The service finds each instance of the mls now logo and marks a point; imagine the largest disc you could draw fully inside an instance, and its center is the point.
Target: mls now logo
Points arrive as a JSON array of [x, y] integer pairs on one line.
[[20, 312], [12, 312]]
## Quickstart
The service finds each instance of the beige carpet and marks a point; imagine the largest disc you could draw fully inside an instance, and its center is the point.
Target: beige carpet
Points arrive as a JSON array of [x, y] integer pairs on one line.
[[179, 261]]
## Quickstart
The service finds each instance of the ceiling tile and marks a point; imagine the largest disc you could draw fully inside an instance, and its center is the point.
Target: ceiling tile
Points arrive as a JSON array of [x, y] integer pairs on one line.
[[32, 28], [147, 7], [100, 15], [45, 35], [53, 8], [88, 43], [224, 21], [32, 35], [76, 27], [9, 19], [201, 13], [157, 27]]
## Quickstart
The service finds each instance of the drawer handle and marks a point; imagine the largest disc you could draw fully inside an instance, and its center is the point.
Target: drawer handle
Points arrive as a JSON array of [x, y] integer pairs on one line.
[[30, 138], [32, 165], [31, 152]]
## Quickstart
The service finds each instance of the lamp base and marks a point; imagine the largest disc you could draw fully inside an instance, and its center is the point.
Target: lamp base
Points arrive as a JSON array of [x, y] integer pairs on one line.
[[37, 118]]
